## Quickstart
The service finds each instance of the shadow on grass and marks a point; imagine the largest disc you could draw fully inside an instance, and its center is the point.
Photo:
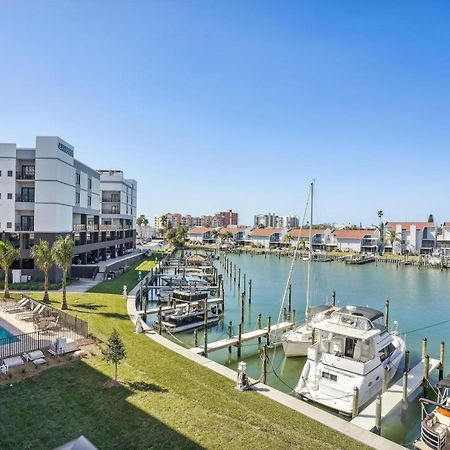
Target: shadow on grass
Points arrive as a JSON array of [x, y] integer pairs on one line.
[[143, 386], [77, 399], [88, 306]]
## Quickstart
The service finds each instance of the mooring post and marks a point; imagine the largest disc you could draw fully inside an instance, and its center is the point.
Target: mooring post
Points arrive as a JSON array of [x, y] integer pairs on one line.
[[290, 298], [258, 321], [293, 316], [386, 314], [249, 292], [407, 361], [230, 334], [242, 307], [378, 415], [160, 320], [239, 278], [284, 313], [441, 360], [355, 405], [385, 379], [424, 348], [426, 372], [333, 299], [205, 346], [269, 320], [405, 387], [145, 308], [264, 366], [196, 338], [235, 273], [239, 340]]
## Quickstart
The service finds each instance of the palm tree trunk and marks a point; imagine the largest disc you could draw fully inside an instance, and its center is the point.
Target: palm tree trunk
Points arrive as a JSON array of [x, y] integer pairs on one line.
[[64, 299], [46, 299], [6, 292]]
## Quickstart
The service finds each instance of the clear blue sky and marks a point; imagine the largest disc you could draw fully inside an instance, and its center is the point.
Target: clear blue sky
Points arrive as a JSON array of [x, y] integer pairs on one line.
[[213, 105]]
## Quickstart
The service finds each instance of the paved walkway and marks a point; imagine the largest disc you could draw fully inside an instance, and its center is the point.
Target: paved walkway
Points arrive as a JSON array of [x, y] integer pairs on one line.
[[334, 422]]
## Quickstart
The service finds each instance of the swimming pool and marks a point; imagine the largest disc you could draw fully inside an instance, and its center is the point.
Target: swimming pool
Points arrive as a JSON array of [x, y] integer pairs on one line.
[[6, 337]]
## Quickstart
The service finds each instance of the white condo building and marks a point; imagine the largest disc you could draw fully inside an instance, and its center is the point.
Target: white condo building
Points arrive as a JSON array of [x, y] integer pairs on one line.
[[45, 193]]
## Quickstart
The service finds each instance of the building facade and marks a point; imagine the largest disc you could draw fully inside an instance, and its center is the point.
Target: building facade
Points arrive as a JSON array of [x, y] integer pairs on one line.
[[412, 237], [46, 193]]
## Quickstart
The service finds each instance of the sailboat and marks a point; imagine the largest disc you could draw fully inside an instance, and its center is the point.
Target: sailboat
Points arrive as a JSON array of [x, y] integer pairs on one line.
[[297, 341]]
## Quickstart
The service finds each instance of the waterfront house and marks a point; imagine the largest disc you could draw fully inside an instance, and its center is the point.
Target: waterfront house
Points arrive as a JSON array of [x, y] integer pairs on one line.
[[202, 235], [238, 235], [360, 241], [412, 237], [443, 240], [322, 239], [267, 237]]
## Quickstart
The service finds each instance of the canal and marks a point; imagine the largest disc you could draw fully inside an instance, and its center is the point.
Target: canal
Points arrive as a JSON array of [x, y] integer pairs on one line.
[[419, 303]]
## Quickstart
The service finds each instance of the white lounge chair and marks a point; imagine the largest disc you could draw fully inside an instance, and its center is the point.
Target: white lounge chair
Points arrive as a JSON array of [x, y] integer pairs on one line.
[[31, 356], [19, 306], [30, 314]]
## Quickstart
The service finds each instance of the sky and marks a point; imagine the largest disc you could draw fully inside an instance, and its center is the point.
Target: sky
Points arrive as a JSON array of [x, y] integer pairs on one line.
[[214, 105]]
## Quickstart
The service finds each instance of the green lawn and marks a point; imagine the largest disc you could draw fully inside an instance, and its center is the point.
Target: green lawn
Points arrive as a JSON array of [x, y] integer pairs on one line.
[[165, 401]]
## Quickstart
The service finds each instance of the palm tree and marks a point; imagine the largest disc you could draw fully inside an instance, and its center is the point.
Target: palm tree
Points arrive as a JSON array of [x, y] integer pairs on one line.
[[182, 234], [63, 254], [380, 214], [139, 222], [393, 238], [7, 256], [287, 239], [43, 257]]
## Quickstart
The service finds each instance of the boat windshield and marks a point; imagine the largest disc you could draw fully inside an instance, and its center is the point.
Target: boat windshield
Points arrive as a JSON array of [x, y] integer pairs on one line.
[[348, 320]]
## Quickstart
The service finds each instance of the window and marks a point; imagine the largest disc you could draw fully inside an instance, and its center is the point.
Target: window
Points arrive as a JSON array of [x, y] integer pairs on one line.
[[89, 200], [77, 198], [78, 178], [89, 183], [8, 224], [10, 172], [329, 376], [0, 173], [9, 196]]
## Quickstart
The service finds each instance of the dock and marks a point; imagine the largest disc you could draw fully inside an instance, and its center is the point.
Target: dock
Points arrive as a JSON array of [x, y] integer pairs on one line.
[[393, 397], [181, 304], [250, 335], [360, 260]]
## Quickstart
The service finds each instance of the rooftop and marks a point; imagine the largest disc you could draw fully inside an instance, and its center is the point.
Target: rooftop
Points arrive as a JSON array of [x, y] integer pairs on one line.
[[407, 225], [265, 231], [353, 234]]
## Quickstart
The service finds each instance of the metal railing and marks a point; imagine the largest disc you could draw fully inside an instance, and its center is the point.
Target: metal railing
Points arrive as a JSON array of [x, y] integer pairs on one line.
[[24, 176], [79, 227], [24, 226], [25, 198]]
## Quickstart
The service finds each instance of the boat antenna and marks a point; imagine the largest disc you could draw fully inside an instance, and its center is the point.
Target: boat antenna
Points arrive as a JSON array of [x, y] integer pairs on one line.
[[308, 281]]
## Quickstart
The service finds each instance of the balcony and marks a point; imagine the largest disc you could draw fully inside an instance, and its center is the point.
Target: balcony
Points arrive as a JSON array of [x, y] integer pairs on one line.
[[24, 227], [25, 198], [92, 227], [24, 176], [79, 227]]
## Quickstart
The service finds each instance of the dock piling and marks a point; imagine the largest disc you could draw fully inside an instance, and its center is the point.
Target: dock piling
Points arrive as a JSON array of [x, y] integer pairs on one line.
[[441, 360], [407, 361], [239, 278], [405, 387], [269, 320], [239, 341], [333, 299], [264, 366], [293, 317], [245, 284], [230, 334], [355, 402], [249, 292], [386, 314], [378, 416], [242, 307], [259, 326], [290, 298], [196, 338], [160, 320], [385, 379], [424, 347], [426, 374]]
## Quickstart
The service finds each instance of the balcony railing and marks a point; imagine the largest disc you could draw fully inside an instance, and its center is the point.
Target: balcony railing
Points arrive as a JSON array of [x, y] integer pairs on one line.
[[24, 176], [92, 227], [25, 198], [24, 227], [79, 227]]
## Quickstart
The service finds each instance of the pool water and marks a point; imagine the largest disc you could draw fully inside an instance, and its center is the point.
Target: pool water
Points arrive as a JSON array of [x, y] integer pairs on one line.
[[4, 334]]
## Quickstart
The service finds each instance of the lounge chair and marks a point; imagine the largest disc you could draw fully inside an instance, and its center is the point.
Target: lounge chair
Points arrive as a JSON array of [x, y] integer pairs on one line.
[[31, 314], [19, 306], [5, 305], [36, 357]]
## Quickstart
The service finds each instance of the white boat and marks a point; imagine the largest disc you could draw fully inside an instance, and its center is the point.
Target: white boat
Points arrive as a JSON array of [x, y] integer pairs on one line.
[[351, 349], [297, 341], [435, 425]]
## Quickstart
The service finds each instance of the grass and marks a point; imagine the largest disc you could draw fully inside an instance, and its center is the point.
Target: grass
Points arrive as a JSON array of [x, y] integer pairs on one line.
[[164, 401]]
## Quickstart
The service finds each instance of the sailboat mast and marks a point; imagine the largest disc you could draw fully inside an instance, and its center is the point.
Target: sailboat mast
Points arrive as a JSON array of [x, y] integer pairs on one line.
[[308, 281]]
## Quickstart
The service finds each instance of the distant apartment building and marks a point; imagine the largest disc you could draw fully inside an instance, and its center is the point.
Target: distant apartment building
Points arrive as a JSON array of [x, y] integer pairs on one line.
[[45, 193], [219, 219], [273, 220], [411, 237]]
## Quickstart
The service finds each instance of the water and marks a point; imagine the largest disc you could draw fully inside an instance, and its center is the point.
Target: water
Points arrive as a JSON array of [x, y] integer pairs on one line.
[[4, 334], [419, 302]]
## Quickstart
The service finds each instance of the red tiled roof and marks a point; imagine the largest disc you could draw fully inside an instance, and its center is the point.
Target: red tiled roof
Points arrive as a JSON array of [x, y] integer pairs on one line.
[[233, 230], [407, 225], [353, 234], [265, 231], [304, 233], [200, 230]]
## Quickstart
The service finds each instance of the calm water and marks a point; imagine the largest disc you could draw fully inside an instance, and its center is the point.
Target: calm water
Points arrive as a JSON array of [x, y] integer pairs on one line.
[[418, 299]]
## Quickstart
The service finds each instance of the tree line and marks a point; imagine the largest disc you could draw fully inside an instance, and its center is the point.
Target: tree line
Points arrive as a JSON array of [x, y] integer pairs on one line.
[[45, 256]]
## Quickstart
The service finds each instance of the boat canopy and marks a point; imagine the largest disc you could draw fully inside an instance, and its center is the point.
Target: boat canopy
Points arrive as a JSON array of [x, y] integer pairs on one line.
[[343, 330], [363, 311]]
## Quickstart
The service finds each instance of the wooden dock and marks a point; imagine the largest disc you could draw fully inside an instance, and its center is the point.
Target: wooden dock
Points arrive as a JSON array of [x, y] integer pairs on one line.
[[250, 335], [393, 397], [181, 304]]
